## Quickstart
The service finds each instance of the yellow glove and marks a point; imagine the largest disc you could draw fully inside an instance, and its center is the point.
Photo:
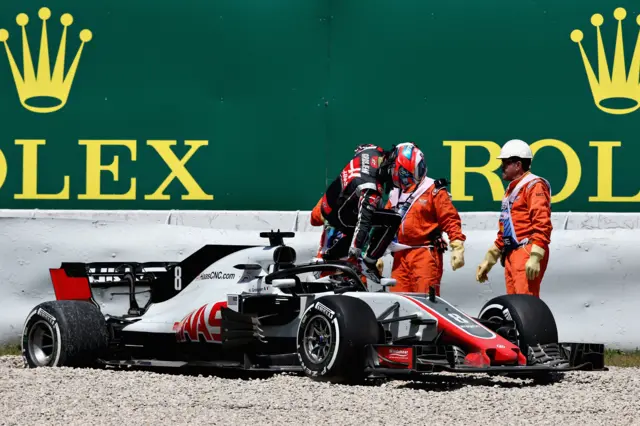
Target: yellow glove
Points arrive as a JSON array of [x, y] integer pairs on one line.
[[457, 254], [380, 265], [490, 259], [532, 267]]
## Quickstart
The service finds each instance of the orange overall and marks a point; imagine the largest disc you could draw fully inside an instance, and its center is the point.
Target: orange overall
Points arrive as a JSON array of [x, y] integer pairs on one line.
[[431, 211], [316, 218], [525, 219]]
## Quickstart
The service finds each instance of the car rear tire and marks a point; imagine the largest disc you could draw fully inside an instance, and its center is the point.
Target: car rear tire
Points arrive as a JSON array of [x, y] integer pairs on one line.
[[533, 319], [332, 338], [64, 333]]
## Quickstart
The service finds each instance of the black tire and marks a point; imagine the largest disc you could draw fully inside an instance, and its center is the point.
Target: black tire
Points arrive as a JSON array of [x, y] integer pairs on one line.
[[64, 333], [343, 359], [534, 320]]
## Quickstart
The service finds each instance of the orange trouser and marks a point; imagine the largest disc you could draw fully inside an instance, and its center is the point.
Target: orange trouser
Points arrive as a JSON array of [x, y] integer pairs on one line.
[[415, 270], [515, 275]]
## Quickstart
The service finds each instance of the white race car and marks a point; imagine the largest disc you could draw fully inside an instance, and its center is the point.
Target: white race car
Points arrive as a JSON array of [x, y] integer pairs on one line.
[[254, 308]]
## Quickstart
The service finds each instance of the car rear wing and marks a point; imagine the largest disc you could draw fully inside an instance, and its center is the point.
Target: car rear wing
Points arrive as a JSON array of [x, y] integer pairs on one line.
[[76, 280]]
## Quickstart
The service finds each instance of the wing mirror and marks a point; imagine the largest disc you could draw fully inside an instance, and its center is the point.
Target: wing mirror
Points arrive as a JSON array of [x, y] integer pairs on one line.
[[284, 283], [388, 282]]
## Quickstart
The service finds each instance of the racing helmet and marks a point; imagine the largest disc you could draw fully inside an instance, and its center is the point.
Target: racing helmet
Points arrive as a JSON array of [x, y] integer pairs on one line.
[[408, 167]]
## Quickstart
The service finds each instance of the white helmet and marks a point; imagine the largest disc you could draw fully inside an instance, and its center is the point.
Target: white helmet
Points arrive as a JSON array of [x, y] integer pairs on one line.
[[516, 148]]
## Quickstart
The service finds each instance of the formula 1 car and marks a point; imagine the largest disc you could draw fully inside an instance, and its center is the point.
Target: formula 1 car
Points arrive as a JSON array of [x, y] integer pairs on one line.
[[254, 308]]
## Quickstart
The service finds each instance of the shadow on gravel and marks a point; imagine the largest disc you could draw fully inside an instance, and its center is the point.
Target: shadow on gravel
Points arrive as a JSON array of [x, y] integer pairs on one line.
[[221, 373], [450, 383], [430, 383], [435, 382]]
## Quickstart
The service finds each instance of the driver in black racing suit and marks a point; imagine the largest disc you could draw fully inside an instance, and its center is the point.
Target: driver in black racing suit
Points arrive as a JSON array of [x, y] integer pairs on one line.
[[352, 207]]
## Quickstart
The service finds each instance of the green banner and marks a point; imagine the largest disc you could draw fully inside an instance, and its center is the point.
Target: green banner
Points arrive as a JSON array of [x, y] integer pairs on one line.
[[256, 105]]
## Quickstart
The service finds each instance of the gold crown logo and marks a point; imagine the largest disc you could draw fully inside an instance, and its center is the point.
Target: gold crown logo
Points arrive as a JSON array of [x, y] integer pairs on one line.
[[52, 89], [617, 86]]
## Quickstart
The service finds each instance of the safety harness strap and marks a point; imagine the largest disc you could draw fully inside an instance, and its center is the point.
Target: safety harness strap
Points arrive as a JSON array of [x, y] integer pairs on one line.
[[509, 237]]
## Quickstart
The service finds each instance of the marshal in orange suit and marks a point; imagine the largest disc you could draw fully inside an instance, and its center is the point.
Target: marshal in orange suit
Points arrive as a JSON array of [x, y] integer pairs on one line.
[[418, 252], [524, 232]]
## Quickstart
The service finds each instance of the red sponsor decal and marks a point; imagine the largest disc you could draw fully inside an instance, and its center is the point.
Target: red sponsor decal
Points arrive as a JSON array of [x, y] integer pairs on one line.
[[374, 199], [351, 171], [204, 321], [344, 179], [374, 162], [395, 357]]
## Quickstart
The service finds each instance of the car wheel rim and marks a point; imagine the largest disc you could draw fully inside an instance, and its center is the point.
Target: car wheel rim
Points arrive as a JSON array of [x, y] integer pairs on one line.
[[41, 343], [318, 339], [501, 317]]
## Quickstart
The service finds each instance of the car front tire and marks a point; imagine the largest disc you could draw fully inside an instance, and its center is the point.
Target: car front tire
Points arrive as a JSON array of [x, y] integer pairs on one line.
[[533, 319], [333, 336]]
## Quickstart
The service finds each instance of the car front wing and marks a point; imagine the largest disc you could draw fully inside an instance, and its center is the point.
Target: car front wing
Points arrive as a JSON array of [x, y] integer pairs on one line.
[[414, 361]]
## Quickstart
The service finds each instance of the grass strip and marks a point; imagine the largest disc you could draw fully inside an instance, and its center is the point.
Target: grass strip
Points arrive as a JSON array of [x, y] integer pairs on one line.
[[619, 358], [10, 350]]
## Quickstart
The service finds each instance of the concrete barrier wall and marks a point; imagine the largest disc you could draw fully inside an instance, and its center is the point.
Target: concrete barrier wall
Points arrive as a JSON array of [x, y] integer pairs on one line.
[[29, 247], [299, 220], [592, 284]]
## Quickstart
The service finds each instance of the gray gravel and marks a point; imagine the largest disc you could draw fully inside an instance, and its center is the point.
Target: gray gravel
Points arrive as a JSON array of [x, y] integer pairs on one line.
[[68, 397]]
